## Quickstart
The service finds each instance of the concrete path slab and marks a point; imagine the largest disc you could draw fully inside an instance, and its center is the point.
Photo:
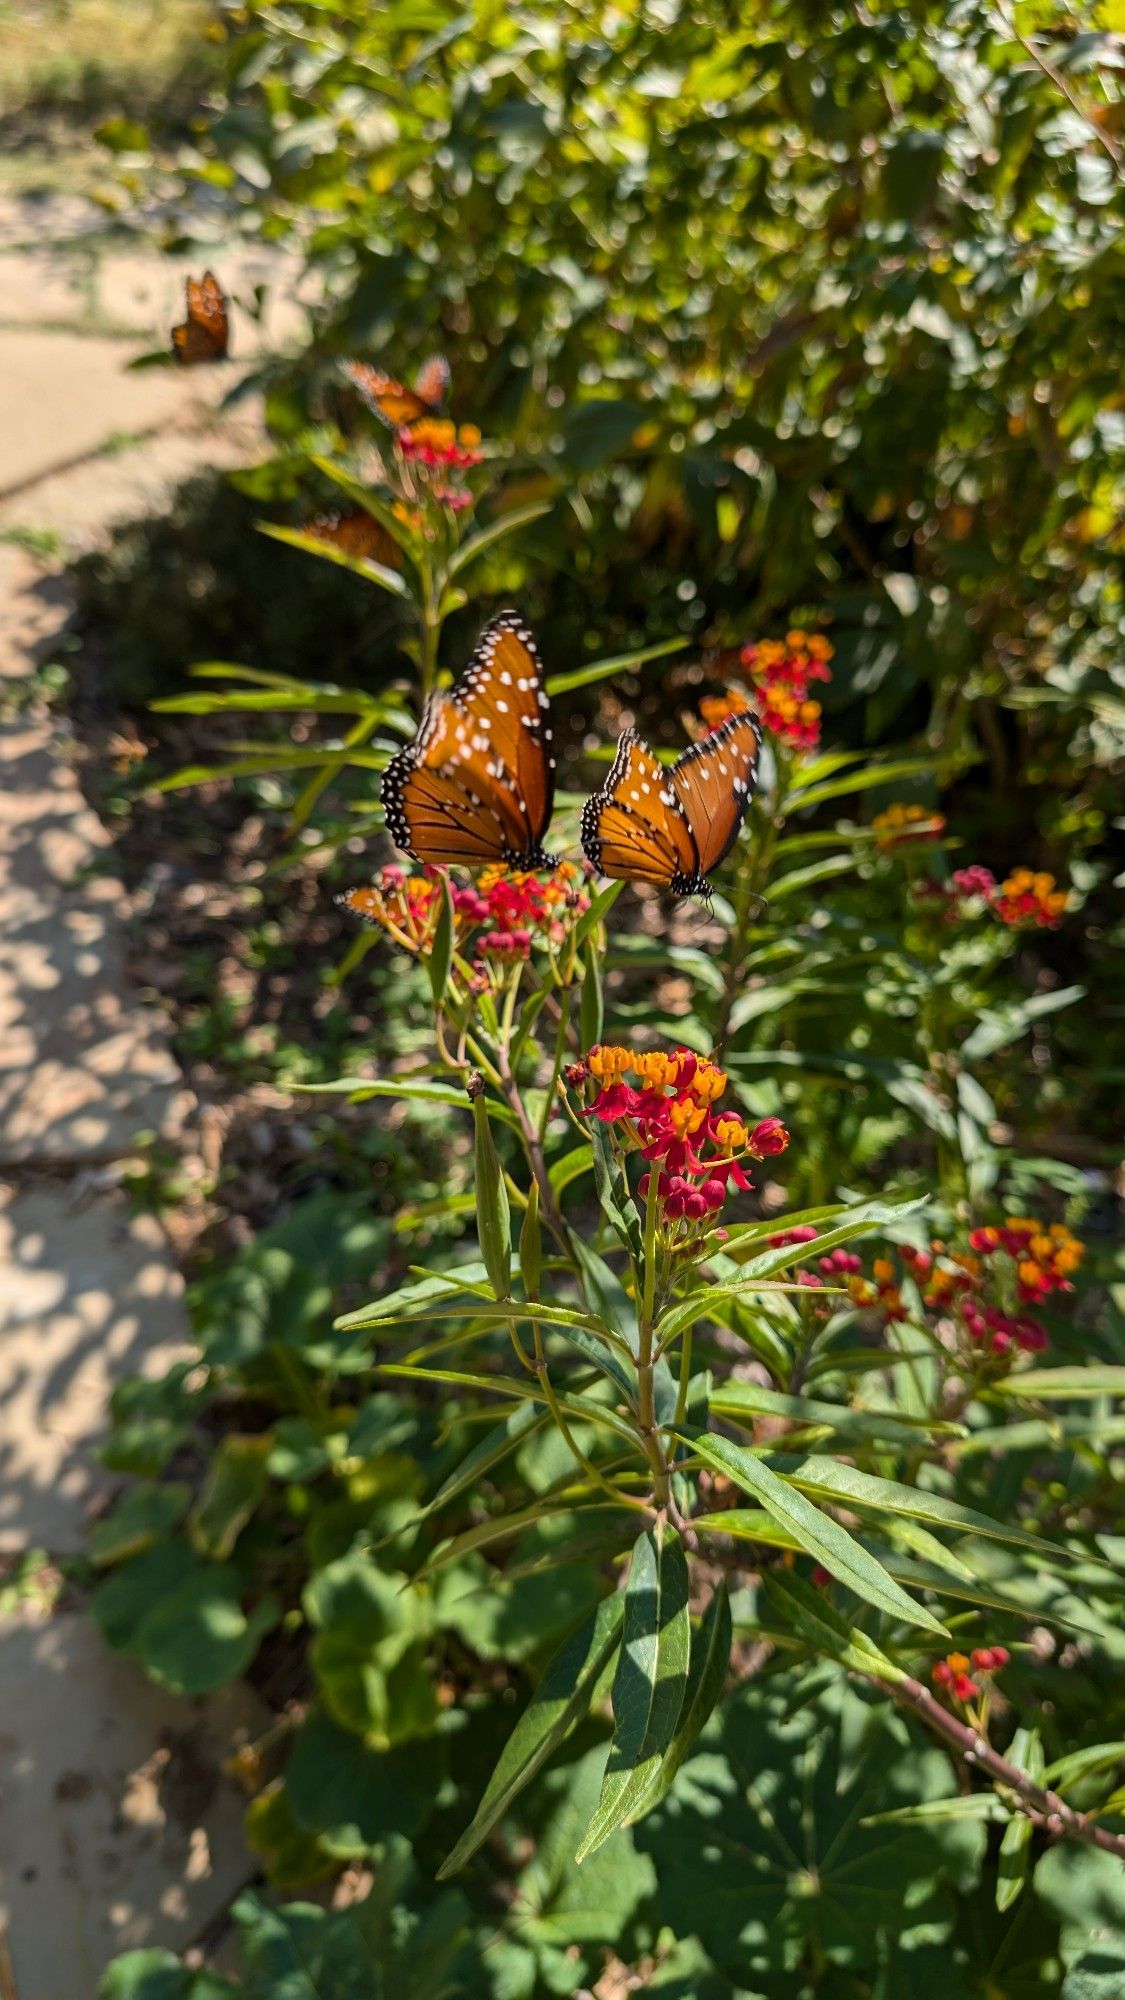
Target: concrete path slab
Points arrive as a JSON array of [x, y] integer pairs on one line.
[[79, 504], [83, 1067], [119, 1829], [89, 1295], [63, 395]]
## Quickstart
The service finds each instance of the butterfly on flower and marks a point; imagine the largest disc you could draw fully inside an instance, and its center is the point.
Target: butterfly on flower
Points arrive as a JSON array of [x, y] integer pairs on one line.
[[477, 784], [204, 335], [398, 405], [670, 828]]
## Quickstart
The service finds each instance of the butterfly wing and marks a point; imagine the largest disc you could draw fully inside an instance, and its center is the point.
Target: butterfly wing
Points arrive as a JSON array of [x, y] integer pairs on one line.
[[204, 335], [714, 783], [635, 829], [356, 534], [432, 381], [477, 783], [389, 398]]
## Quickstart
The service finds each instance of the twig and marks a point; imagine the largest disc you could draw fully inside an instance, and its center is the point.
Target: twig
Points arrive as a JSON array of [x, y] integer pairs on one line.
[[1056, 77], [1044, 1808]]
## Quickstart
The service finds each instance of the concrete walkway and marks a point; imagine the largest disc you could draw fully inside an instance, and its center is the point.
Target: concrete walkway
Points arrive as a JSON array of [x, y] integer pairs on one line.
[[118, 1828]]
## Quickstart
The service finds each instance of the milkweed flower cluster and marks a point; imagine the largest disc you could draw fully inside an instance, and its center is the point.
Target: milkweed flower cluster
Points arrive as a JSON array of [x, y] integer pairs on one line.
[[952, 1674], [983, 1290], [1045, 1255], [509, 913], [440, 445], [664, 1105], [1023, 901], [901, 822], [781, 672]]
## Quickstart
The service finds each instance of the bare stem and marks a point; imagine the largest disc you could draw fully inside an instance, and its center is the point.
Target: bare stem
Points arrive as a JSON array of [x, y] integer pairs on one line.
[[1044, 1808]]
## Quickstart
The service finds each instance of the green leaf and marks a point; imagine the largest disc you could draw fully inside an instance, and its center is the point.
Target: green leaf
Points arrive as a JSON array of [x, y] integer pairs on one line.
[[1063, 1385], [147, 1514], [559, 1702], [486, 538], [440, 962], [494, 1222], [604, 670], [831, 1480], [235, 1482], [416, 1090], [155, 1974], [352, 1797], [1083, 1763], [710, 1658], [809, 1611], [820, 1536], [1026, 1753], [1001, 1026], [745, 1400], [185, 1624], [762, 1851], [372, 572], [591, 1005], [290, 1856], [492, 1450], [649, 1684]]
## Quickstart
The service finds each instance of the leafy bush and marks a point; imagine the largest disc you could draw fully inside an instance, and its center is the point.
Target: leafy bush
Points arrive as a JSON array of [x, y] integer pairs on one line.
[[719, 1584]]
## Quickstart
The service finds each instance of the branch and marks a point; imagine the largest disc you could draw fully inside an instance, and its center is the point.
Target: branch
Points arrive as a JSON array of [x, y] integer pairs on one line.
[[1044, 1808], [1056, 77]]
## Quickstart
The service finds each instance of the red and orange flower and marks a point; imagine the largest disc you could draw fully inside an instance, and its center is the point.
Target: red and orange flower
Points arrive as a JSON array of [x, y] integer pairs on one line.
[[663, 1106], [781, 672]]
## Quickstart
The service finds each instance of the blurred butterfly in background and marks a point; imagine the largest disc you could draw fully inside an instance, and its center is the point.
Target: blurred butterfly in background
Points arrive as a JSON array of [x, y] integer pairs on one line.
[[670, 828], [398, 405], [477, 784], [205, 334], [356, 534]]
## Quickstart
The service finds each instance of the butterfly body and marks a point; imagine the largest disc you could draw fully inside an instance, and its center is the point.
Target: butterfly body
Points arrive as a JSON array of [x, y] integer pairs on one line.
[[204, 334], [395, 402], [476, 785], [671, 828]]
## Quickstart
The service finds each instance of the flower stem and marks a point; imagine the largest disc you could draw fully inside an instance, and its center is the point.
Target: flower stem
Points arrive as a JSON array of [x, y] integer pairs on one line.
[[646, 1401]]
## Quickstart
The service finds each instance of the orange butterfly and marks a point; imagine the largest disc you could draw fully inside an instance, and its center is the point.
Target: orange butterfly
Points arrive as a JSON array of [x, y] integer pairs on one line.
[[205, 334], [671, 828], [356, 534], [390, 399], [477, 784]]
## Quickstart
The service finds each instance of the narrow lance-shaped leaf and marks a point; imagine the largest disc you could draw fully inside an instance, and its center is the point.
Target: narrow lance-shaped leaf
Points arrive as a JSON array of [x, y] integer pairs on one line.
[[1026, 1753], [710, 1658], [822, 1626], [649, 1684], [590, 1005], [486, 538], [441, 950], [818, 1534], [561, 1699]]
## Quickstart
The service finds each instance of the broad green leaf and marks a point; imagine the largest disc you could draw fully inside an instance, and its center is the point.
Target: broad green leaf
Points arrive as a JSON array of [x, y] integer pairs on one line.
[[561, 1699], [235, 1483], [819, 1535], [649, 1683]]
